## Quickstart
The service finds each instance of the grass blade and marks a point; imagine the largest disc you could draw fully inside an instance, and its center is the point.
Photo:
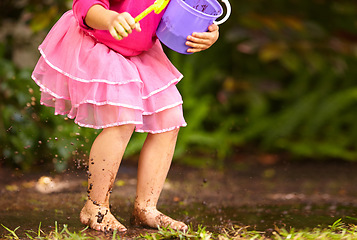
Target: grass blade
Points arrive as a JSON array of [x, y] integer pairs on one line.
[[39, 231], [12, 231]]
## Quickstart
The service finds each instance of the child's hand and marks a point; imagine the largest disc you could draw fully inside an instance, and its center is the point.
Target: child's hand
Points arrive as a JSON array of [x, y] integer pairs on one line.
[[119, 25], [201, 41], [122, 25]]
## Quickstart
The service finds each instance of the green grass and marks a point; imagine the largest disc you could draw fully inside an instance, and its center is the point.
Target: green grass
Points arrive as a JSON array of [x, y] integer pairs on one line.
[[338, 230]]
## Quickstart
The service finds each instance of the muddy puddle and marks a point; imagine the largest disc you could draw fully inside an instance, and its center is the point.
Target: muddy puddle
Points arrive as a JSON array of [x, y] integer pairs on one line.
[[298, 195]]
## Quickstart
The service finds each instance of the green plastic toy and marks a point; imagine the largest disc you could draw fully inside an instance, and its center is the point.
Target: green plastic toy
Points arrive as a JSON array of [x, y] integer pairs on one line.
[[157, 7]]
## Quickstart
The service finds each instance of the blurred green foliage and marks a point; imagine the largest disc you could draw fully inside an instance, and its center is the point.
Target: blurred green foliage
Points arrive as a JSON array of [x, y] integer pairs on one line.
[[281, 79]]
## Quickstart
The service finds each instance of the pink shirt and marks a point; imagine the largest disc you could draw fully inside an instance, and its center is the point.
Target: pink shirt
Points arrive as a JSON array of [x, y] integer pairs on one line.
[[136, 42]]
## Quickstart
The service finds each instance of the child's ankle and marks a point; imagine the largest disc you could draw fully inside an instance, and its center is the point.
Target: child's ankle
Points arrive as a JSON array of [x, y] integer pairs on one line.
[[145, 207], [94, 204]]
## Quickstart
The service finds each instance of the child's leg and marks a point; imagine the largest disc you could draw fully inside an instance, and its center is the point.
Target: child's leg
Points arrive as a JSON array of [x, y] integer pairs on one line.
[[105, 157], [154, 163]]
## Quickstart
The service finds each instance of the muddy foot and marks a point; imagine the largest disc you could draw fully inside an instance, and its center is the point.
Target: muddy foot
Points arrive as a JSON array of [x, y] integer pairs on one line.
[[151, 217], [100, 218]]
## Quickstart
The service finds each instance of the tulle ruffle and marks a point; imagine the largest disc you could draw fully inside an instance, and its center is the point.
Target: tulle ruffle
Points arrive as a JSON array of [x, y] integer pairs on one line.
[[100, 88]]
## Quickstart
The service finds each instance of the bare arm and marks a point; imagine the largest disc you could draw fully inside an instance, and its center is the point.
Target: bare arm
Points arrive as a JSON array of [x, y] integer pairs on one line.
[[118, 24]]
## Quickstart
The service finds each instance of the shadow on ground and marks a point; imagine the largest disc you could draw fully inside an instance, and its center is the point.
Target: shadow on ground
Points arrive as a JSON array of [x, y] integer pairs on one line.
[[299, 195]]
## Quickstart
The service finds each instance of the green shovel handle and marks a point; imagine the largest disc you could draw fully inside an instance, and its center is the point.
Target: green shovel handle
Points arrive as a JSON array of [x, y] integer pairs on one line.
[[144, 13]]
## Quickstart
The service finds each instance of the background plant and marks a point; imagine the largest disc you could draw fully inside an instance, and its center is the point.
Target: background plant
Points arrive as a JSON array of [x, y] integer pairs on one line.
[[281, 79]]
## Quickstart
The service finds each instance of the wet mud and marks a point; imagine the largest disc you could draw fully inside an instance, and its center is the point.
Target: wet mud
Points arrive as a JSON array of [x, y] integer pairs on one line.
[[262, 196]]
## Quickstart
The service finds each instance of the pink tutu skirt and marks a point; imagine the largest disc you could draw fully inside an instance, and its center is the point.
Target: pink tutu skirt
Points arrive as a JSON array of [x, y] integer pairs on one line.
[[100, 88]]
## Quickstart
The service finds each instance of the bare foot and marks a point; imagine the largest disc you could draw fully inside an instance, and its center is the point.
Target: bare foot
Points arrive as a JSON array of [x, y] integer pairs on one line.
[[100, 218], [151, 217]]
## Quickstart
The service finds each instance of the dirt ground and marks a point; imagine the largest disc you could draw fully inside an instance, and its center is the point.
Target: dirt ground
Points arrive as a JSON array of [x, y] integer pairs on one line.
[[261, 194]]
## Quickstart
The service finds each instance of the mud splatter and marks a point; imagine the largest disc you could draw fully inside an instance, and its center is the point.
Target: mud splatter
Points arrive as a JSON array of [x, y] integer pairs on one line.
[[107, 230], [110, 190], [162, 220], [101, 216], [138, 217]]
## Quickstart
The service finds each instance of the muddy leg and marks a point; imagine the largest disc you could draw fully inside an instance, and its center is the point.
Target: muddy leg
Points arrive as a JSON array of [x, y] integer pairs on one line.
[[105, 157], [154, 163]]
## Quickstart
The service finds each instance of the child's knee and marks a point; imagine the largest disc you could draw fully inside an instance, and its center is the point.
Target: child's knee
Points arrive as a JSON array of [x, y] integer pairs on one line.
[[126, 129]]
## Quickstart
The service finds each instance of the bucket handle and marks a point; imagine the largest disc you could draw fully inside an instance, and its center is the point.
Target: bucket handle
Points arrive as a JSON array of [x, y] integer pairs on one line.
[[228, 13]]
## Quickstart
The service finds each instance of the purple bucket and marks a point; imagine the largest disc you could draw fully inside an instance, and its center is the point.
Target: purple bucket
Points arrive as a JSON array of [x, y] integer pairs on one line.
[[183, 17]]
